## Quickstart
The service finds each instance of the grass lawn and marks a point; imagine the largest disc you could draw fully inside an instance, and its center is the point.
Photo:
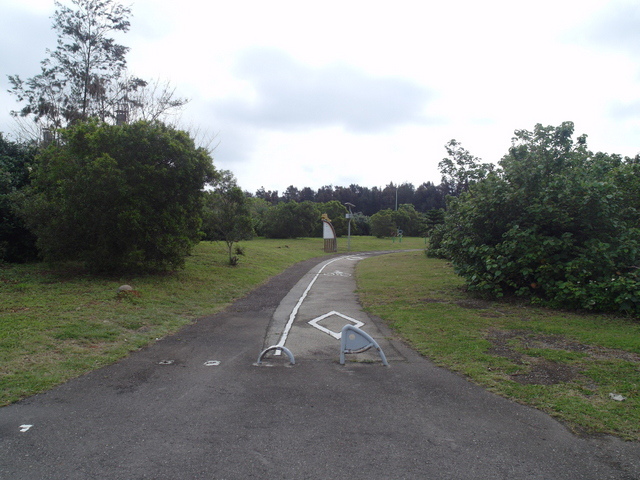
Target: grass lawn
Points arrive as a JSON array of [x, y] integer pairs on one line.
[[572, 366], [57, 322]]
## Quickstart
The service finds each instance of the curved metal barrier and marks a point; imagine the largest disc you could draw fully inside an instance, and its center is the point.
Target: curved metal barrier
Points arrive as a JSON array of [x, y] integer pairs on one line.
[[354, 340], [277, 347]]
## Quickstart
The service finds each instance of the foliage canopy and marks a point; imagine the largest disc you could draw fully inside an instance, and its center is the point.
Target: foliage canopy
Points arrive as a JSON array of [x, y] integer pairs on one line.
[[557, 223], [119, 198], [85, 76], [17, 244], [227, 213]]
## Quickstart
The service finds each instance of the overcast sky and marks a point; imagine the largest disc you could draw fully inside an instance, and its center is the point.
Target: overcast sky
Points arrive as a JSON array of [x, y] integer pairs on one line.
[[309, 93]]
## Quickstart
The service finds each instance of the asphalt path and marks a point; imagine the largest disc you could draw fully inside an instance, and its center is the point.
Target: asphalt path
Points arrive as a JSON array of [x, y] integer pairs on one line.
[[197, 405]]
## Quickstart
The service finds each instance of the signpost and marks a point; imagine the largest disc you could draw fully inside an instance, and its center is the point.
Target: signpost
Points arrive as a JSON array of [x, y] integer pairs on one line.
[[329, 235]]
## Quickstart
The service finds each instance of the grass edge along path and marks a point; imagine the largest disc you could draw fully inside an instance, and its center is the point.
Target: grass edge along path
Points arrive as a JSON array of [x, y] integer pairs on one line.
[[583, 369], [58, 322]]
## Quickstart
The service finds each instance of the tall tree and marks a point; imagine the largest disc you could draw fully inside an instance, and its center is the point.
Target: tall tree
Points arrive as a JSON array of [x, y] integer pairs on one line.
[[291, 193], [85, 76], [389, 197], [325, 194], [268, 195], [307, 194], [86, 64], [428, 197]]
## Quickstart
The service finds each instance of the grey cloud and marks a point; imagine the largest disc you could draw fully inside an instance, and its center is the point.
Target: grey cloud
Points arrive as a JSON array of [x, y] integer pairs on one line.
[[290, 95], [625, 110], [617, 26], [25, 37]]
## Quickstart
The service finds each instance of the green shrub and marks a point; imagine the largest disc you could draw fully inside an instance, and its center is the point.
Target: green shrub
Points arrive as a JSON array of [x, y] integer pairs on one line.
[[292, 220], [382, 224], [557, 223], [119, 197], [17, 243]]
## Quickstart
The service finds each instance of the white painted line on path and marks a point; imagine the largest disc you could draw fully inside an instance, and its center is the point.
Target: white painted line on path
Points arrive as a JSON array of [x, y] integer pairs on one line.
[[294, 312]]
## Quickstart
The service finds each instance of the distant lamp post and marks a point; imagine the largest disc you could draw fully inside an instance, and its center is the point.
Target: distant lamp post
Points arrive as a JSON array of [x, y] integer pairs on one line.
[[349, 216]]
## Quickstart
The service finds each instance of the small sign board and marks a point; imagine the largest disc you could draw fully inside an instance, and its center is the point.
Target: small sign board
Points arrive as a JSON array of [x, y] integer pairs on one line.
[[329, 235]]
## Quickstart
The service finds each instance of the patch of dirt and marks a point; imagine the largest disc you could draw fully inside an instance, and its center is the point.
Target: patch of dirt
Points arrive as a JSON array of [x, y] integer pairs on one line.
[[545, 372], [500, 347], [540, 371]]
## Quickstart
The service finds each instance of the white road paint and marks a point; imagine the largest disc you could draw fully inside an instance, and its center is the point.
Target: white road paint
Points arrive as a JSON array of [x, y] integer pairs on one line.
[[338, 273], [294, 312], [212, 363], [25, 428], [338, 335]]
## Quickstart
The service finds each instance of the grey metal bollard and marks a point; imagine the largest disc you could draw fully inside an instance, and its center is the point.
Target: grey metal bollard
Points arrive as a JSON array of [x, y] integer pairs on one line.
[[292, 360], [354, 340]]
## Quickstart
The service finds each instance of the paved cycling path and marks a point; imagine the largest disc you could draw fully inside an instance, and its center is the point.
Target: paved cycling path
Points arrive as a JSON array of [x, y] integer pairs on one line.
[[194, 406]]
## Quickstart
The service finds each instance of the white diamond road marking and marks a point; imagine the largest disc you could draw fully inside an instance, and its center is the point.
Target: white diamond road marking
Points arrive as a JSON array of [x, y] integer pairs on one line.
[[314, 323]]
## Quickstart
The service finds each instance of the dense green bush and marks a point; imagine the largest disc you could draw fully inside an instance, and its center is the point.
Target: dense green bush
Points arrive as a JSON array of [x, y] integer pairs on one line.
[[360, 224], [17, 243], [382, 224], [557, 223], [291, 220], [119, 197], [386, 223]]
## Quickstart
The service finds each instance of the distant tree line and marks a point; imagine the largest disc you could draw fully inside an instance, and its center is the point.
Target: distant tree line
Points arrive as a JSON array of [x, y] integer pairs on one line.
[[367, 201], [459, 169], [291, 219]]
